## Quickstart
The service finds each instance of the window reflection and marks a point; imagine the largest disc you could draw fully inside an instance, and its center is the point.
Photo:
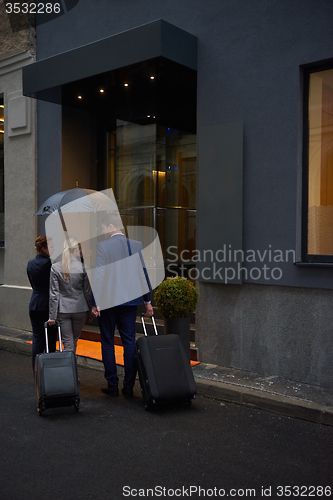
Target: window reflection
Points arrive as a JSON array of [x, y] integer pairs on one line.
[[320, 195]]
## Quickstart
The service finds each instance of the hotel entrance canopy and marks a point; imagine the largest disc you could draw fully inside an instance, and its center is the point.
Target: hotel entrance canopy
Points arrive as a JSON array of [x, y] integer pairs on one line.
[[44, 79]]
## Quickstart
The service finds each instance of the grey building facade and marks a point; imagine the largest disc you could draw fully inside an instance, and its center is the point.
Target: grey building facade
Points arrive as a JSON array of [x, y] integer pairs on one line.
[[18, 160], [221, 156]]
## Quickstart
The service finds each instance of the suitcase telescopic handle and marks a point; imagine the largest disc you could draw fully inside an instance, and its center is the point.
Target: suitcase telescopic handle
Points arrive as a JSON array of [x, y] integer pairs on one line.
[[144, 326], [46, 325]]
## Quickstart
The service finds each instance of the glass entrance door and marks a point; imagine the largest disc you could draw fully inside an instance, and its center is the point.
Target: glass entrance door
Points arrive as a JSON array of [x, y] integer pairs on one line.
[[152, 171], [134, 130]]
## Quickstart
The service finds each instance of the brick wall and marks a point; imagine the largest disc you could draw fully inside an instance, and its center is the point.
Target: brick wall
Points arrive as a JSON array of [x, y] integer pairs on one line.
[[17, 33]]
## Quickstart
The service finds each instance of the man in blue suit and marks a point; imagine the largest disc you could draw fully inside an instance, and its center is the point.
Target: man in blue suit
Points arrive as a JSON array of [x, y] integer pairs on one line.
[[120, 284]]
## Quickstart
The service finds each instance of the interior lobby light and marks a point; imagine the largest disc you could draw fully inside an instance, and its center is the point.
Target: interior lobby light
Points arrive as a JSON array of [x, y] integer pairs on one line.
[[125, 84], [101, 91], [79, 96], [152, 78]]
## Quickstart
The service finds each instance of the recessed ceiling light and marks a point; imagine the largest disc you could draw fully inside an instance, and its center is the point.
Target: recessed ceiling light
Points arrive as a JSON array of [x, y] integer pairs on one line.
[[125, 84], [101, 91], [152, 77], [79, 96]]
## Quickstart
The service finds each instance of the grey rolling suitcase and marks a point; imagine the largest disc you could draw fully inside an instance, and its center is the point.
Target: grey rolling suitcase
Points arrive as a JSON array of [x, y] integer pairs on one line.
[[165, 372], [57, 382]]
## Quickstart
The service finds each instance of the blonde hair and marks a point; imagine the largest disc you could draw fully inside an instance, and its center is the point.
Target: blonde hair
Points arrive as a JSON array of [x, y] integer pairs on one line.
[[70, 245]]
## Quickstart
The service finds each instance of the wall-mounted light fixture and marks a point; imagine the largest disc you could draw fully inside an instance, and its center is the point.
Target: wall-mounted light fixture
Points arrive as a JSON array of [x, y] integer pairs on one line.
[[2, 120]]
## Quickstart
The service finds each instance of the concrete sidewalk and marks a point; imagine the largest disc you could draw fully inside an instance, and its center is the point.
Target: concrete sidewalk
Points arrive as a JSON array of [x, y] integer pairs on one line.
[[272, 394]]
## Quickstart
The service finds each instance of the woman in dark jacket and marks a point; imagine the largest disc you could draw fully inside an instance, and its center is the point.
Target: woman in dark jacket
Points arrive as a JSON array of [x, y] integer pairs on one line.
[[38, 271]]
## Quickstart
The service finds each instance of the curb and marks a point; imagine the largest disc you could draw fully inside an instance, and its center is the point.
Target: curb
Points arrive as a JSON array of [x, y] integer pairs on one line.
[[11, 344], [262, 400], [274, 403]]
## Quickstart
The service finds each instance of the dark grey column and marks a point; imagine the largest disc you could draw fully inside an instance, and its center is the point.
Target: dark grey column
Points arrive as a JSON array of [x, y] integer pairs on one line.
[[49, 169], [220, 202]]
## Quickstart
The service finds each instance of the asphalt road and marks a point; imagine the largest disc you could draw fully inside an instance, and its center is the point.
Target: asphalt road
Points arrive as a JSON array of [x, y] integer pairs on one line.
[[113, 449]]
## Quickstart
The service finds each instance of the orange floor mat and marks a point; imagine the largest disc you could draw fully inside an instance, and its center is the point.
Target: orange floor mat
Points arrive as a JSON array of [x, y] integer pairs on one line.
[[91, 349]]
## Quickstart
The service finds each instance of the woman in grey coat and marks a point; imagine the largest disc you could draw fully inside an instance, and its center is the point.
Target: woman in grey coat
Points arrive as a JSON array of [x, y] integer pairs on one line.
[[70, 295]]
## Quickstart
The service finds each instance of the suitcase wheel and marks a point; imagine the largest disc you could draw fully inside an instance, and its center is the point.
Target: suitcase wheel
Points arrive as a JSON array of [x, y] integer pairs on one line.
[[77, 405], [150, 406], [41, 408]]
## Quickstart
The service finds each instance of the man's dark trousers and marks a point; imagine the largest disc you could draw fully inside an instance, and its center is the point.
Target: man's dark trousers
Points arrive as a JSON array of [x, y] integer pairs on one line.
[[124, 318]]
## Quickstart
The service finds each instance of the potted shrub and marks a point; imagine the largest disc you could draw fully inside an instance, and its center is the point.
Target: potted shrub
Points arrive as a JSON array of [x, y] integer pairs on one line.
[[176, 298]]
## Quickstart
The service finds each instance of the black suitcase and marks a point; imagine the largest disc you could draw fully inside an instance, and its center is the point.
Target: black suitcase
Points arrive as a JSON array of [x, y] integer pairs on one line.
[[57, 382], [165, 372]]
